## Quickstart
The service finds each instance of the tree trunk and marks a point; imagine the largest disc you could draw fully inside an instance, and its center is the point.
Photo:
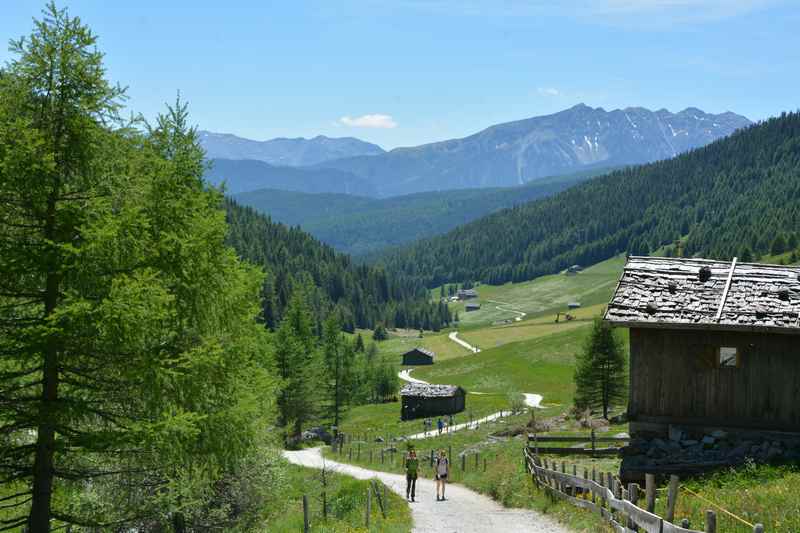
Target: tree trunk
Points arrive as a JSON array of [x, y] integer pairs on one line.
[[43, 471]]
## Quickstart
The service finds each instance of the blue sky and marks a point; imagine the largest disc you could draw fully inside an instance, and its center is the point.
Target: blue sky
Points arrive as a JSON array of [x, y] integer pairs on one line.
[[407, 72]]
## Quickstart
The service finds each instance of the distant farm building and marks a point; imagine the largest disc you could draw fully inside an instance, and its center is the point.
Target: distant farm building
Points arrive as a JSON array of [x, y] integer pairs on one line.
[[418, 356], [421, 400], [573, 305], [467, 294], [713, 344], [472, 306], [574, 269]]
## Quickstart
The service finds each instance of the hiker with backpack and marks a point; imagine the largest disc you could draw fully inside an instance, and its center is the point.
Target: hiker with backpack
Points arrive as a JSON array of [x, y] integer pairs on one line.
[[411, 465], [441, 469]]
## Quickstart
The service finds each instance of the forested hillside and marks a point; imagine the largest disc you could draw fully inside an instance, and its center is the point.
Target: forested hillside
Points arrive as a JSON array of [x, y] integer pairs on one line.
[[359, 225], [361, 295], [737, 196]]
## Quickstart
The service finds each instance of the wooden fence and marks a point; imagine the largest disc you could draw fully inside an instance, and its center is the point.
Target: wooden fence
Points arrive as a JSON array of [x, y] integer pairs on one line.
[[534, 440], [611, 500]]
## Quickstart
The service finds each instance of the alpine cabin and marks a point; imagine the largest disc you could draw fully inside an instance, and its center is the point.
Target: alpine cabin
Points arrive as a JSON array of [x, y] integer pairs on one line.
[[420, 400], [418, 356], [713, 344]]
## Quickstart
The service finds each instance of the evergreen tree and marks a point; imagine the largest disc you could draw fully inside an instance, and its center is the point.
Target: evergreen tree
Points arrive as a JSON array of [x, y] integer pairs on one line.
[[297, 366], [600, 370], [132, 376], [359, 345], [339, 379], [778, 245], [380, 333]]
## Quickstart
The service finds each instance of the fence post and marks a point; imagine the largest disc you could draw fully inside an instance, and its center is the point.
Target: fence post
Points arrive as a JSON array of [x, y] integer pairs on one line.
[[650, 492], [370, 455], [594, 478], [306, 527], [431, 458], [450, 452], [586, 476], [463, 462], [574, 488], [484, 464], [633, 497], [593, 446], [476, 461], [672, 497], [382, 450], [711, 522], [369, 504], [358, 452], [385, 501], [350, 454]]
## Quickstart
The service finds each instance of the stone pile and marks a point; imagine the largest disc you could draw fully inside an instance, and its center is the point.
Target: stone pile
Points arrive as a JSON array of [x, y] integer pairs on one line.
[[695, 451]]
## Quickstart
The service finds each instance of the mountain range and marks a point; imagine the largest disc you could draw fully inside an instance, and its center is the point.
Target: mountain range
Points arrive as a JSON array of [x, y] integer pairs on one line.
[[514, 153], [739, 196], [285, 152]]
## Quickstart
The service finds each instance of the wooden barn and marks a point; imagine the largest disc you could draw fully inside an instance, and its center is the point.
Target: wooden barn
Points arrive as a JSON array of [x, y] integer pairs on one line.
[[713, 344], [418, 356], [467, 294], [421, 400], [472, 306]]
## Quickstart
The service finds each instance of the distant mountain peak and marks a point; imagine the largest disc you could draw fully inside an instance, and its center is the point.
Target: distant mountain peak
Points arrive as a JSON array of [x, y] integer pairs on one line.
[[284, 151], [578, 138]]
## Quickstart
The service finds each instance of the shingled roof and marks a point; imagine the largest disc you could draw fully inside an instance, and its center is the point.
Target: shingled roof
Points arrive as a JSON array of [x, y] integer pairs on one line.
[[704, 294], [422, 350], [425, 390]]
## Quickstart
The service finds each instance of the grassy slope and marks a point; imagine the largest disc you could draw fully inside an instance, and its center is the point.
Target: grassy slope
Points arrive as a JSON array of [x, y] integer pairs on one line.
[[542, 296], [346, 505]]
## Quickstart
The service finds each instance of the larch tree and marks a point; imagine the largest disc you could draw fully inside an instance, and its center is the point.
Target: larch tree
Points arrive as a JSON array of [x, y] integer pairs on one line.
[[133, 381], [601, 379]]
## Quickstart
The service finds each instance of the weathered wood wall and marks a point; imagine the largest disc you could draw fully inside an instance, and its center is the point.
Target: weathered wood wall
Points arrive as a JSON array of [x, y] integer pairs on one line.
[[414, 358], [420, 407], [674, 379]]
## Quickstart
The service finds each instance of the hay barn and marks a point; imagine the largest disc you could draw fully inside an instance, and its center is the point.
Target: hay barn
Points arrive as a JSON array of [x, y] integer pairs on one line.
[[418, 356], [714, 344], [420, 400]]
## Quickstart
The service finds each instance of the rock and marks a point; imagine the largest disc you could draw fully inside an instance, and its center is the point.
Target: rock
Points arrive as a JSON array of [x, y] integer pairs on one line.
[[708, 440], [621, 418], [719, 434], [675, 433], [660, 444], [621, 436], [379, 439]]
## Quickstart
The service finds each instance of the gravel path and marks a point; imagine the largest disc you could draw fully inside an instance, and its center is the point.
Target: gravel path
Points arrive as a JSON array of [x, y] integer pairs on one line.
[[454, 337], [520, 314], [405, 375], [464, 511]]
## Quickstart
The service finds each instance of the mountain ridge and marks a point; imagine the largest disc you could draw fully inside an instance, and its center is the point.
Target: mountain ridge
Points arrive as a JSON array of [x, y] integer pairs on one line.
[[284, 151], [524, 150]]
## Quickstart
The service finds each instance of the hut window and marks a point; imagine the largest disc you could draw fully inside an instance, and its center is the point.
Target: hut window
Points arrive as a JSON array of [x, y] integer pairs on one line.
[[728, 357]]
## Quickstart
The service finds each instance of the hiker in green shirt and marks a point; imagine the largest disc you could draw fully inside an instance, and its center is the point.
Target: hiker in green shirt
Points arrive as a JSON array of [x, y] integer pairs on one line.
[[411, 465]]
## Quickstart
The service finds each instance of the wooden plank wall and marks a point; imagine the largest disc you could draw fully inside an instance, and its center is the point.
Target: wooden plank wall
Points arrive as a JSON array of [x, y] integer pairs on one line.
[[674, 376]]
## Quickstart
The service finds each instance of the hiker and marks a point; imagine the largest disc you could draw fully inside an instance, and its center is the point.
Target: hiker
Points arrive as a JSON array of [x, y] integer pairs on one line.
[[440, 425], [441, 468], [411, 466], [449, 423]]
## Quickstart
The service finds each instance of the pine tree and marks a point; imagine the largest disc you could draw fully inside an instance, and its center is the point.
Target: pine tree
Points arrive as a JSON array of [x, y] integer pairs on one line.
[[600, 371], [380, 333], [338, 358], [778, 245], [298, 366], [359, 345], [129, 351]]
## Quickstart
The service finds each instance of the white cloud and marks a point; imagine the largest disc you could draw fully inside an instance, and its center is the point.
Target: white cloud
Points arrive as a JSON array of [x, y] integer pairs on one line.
[[369, 121], [548, 91]]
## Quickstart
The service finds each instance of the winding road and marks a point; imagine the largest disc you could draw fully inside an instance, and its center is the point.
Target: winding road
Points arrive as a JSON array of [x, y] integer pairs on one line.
[[464, 511], [520, 314], [454, 337]]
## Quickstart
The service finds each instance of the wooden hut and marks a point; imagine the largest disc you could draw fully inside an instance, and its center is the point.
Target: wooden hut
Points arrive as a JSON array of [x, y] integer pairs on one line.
[[714, 344], [420, 400], [467, 294], [418, 356], [472, 306]]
